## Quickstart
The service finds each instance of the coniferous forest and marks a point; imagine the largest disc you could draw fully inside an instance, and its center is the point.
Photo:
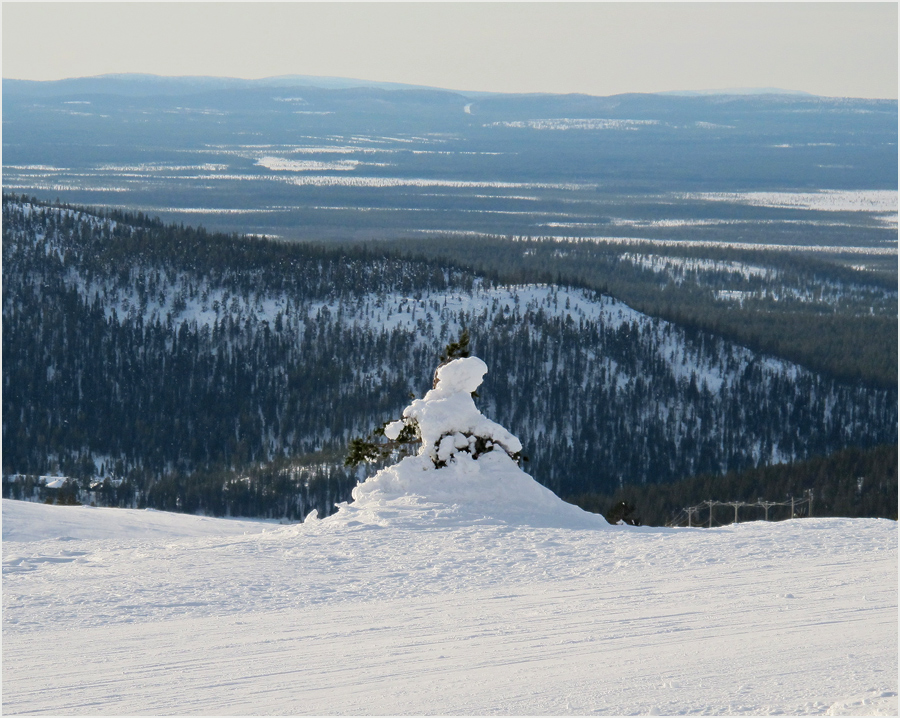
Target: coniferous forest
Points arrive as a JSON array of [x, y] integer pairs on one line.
[[164, 366], [852, 482]]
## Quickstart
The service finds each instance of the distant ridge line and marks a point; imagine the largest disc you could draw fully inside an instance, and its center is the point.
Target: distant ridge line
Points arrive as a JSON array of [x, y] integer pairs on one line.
[[174, 84], [737, 91]]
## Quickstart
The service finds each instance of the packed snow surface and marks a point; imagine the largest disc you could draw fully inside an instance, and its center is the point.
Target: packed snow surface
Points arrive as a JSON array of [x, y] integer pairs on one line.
[[390, 610], [37, 522]]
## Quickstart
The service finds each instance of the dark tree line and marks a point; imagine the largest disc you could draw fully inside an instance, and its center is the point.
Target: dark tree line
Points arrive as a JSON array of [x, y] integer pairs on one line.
[[853, 482], [282, 489]]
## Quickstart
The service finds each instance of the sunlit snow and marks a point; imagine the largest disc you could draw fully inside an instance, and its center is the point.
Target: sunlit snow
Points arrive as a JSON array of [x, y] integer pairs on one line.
[[411, 606]]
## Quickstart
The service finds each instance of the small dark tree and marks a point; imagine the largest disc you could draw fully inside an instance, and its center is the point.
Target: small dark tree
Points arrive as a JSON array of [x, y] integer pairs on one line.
[[454, 350], [376, 447], [457, 350], [624, 512]]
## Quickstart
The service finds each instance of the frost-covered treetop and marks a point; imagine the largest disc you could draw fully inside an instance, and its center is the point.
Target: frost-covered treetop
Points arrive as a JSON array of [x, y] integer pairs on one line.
[[448, 421], [461, 375]]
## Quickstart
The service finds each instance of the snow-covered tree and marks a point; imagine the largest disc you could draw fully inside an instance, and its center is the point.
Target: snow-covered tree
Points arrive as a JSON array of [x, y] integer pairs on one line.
[[465, 469], [445, 422]]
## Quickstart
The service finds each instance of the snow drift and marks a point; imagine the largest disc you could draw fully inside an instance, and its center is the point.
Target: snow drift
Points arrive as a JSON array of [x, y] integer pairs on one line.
[[466, 469]]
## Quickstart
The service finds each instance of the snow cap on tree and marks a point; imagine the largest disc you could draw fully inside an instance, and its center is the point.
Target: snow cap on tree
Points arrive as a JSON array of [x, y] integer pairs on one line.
[[461, 374], [448, 420]]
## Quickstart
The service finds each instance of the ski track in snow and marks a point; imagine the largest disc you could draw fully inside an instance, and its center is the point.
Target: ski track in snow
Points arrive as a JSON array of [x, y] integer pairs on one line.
[[114, 611]]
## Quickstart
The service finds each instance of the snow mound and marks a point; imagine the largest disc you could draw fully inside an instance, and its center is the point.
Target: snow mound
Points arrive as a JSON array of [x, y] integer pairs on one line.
[[466, 470], [489, 490]]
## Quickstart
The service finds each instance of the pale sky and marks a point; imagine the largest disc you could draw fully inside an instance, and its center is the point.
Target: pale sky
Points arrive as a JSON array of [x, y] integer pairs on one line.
[[598, 48]]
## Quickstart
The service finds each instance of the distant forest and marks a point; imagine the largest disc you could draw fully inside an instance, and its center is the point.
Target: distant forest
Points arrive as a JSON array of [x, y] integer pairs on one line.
[[853, 482]]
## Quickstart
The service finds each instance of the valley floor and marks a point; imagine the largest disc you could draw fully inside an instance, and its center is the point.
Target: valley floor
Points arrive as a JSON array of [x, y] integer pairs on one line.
[[111, 611]]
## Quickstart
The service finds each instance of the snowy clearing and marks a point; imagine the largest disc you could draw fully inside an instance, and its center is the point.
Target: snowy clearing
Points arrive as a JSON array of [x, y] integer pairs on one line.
[[663, 264], [580, 123], [333, 181], [826, 200], [279, 164]]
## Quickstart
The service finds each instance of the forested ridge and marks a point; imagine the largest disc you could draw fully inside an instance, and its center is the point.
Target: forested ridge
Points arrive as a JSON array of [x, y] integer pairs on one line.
[[821, 314], [170, 367]]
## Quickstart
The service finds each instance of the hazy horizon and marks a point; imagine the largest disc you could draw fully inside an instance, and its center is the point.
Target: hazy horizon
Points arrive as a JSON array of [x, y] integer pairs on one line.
[[331, 81], [601, 49]]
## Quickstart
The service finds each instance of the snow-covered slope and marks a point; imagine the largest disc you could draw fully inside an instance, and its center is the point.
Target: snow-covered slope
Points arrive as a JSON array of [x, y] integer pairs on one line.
[[36, 522], [348, 616], [236, 354]]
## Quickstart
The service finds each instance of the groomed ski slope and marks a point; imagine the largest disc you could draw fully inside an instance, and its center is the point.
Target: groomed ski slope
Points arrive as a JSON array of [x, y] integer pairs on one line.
[[117, 614], [452, 584]]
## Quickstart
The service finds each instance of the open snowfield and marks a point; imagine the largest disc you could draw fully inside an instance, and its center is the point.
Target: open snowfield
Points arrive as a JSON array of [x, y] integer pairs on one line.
[[418, 607]]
